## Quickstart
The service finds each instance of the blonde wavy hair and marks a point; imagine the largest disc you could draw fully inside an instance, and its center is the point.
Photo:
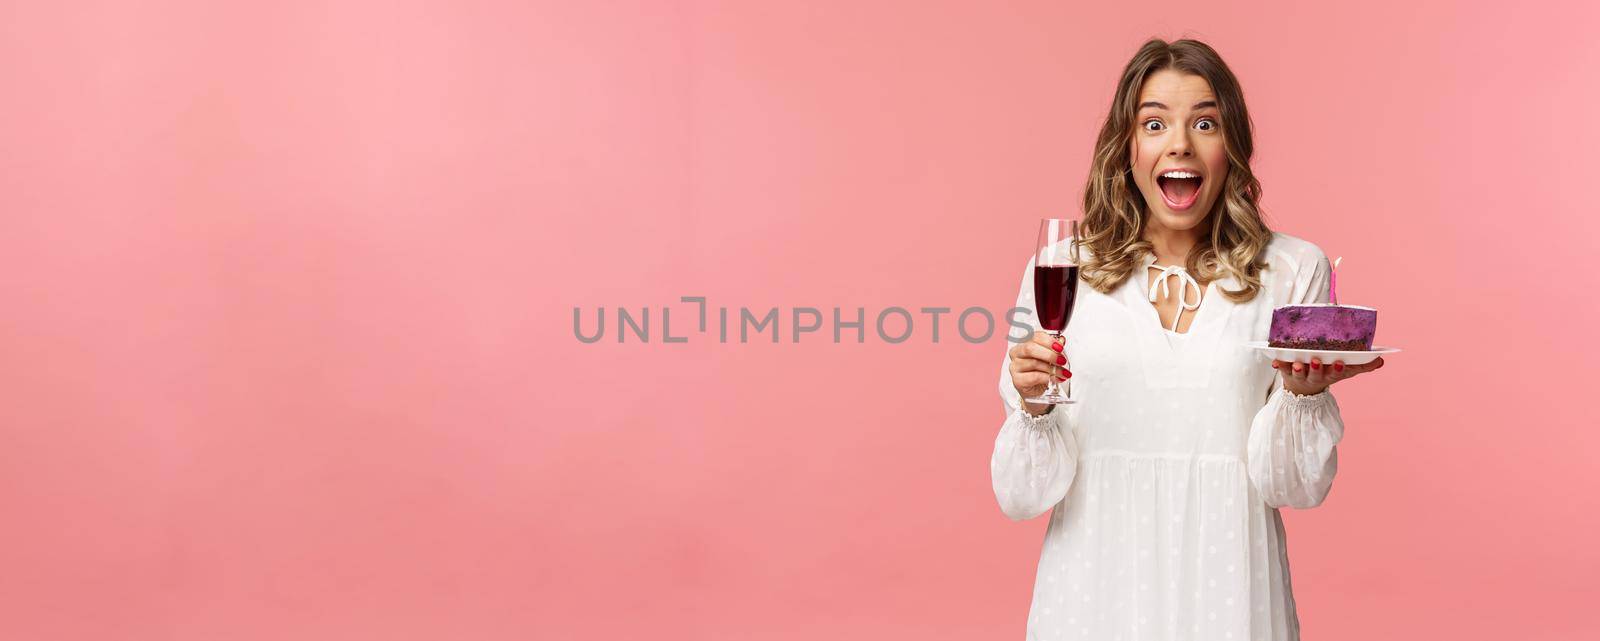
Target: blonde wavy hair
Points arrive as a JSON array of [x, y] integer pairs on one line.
[[1114, 211]]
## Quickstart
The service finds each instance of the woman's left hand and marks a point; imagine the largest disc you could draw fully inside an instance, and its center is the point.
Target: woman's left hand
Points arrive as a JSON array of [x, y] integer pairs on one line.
[[1306, 380]]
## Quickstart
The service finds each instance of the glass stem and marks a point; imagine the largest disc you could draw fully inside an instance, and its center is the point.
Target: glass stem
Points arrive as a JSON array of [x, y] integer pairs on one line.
[[1055, 372]]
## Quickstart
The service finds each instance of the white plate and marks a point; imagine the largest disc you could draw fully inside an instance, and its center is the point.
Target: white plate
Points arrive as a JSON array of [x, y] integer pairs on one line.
[[1325, 355]]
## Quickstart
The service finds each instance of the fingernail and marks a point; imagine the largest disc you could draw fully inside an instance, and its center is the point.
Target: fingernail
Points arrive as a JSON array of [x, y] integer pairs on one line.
[[1061, 360], [1338, 367], [1297, 367], [1068, 374], [1315, 365], [1055, 346]]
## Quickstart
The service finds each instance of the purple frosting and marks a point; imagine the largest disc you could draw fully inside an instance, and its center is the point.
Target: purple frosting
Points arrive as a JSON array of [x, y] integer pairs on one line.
[[1322, 325]]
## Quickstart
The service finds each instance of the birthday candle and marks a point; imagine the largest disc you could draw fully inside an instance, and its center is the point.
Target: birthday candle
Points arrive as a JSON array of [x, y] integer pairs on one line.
[[1333, 282]]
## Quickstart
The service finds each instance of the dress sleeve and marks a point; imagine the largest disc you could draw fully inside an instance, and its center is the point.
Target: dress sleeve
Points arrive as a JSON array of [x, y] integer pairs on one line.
[[1291, 448], [1035, 458]]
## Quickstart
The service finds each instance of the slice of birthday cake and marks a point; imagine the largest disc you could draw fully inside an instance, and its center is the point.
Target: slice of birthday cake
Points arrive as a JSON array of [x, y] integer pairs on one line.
[[1323, 326]]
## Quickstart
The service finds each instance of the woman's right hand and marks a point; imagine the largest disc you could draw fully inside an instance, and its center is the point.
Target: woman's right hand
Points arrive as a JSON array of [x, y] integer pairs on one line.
[[1032, 364]]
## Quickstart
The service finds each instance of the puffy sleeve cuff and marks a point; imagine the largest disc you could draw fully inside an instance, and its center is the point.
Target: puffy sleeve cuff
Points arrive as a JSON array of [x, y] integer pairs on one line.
[[1291, 448], [1035, 459], [1041, 422]]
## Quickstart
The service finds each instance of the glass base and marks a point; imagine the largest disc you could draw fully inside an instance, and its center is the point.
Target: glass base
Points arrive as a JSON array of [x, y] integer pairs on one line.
[[1050, 399]]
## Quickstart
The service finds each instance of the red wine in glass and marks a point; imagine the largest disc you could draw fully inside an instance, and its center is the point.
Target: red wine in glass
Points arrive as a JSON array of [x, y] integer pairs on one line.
[[1055, 289]]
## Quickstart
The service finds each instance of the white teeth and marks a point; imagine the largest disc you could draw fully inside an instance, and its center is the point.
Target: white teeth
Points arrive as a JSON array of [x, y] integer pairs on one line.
[[1179, 174]]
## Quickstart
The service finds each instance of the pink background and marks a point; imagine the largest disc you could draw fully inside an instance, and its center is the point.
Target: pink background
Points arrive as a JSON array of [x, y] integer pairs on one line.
[[288, 346]]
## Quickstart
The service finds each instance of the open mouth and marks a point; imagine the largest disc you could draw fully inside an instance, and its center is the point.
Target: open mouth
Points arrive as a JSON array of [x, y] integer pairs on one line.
[[1179, 187]]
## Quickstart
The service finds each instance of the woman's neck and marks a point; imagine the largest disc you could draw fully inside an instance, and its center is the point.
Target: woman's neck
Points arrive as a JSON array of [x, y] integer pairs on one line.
[[1172, 246]]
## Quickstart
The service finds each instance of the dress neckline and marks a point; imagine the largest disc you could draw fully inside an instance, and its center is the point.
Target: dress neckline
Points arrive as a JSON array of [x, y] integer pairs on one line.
[[1185, 282], [1175, 360]]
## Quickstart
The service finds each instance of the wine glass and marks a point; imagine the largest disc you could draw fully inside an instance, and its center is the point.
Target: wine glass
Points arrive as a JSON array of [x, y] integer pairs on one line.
[[1055, 287]]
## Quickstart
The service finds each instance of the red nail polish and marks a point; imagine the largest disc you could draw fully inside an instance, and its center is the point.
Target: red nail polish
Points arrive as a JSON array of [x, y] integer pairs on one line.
[[1067, 374], [1061, 360], [1055, 346], [1316, 366], [1338, 367]]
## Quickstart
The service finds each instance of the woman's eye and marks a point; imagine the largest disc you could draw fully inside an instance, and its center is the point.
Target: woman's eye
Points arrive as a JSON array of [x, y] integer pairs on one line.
[[1205, 124], [1153, 125]]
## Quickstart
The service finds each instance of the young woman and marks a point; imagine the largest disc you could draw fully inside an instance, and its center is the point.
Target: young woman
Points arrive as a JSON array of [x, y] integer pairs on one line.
[[1166, 477]]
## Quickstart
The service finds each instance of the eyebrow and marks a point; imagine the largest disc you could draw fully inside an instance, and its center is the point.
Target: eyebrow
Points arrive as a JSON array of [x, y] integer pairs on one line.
[[1197, 106]]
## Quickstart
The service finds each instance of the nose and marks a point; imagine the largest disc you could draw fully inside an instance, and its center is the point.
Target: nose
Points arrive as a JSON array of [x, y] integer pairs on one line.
[[1180, 145]]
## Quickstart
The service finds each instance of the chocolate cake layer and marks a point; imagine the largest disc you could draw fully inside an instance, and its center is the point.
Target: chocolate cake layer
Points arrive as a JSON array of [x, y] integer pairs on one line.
[[1335, 346]]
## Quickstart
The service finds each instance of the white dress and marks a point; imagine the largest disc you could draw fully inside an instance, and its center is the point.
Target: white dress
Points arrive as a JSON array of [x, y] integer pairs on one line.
[[1163, 481]]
